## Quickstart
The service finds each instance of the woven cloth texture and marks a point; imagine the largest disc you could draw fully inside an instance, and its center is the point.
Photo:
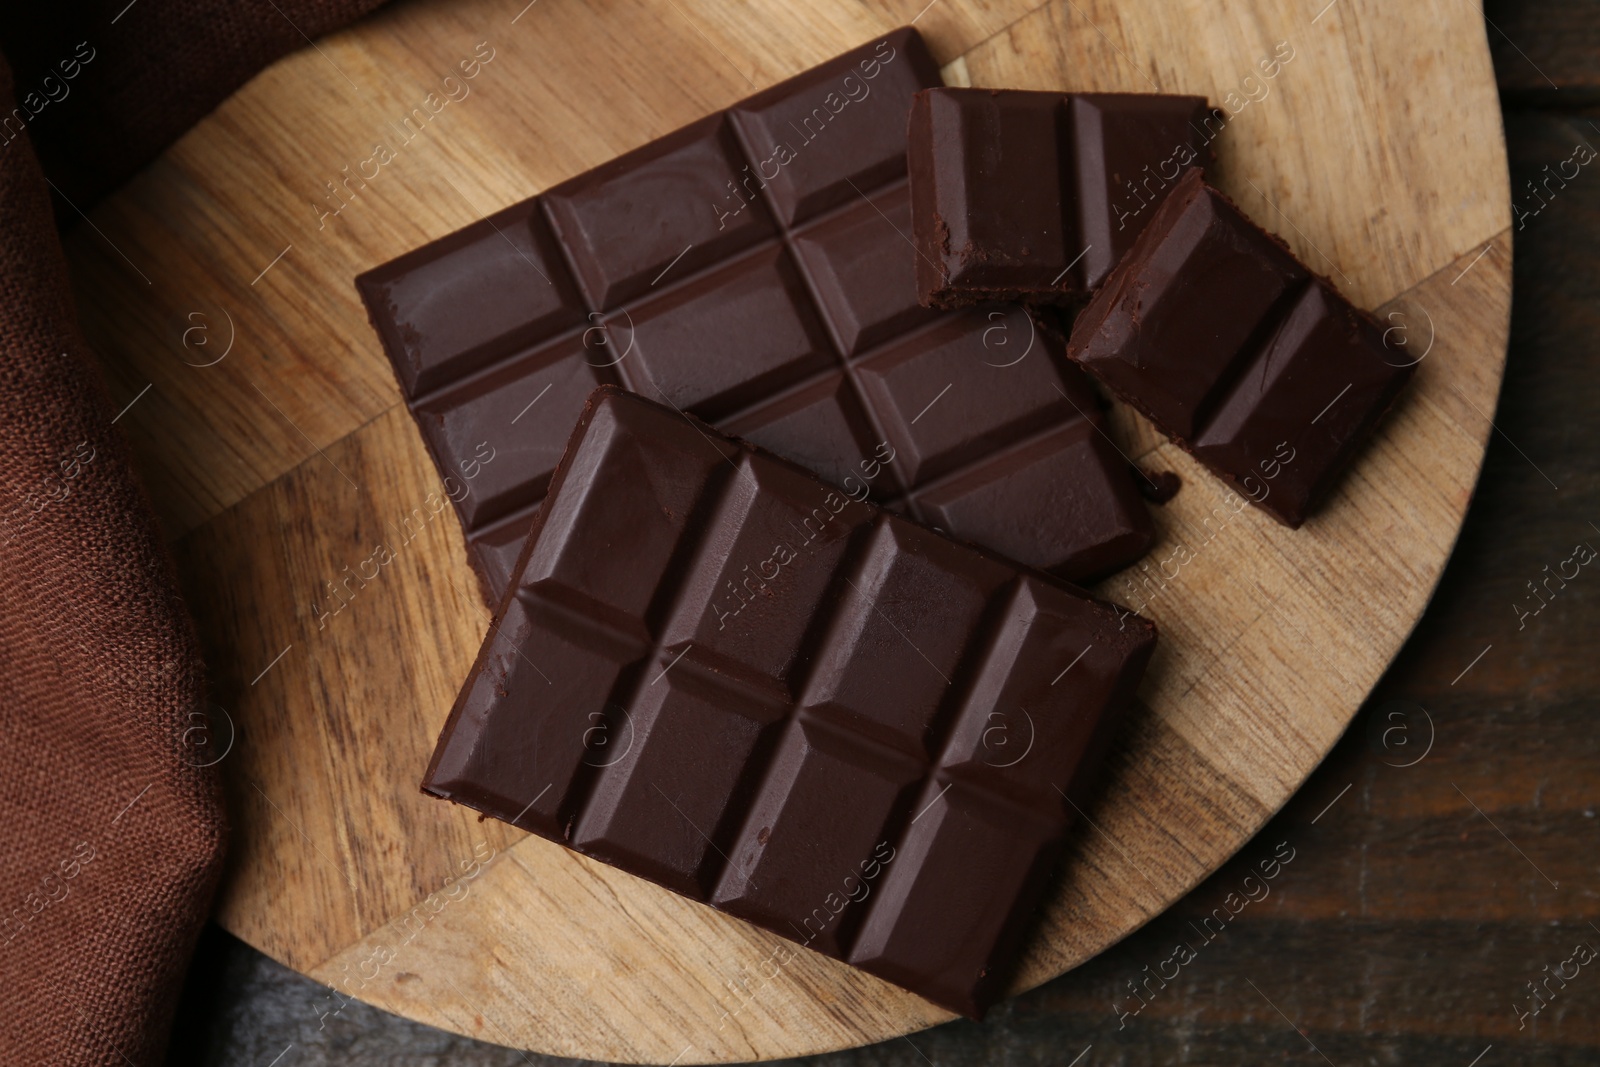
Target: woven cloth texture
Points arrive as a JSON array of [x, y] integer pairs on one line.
[[114, 829]]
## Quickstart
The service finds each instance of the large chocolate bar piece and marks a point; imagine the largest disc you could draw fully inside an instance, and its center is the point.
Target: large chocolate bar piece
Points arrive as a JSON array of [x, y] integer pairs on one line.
[[1033, 195], [718, 672], [755, 268], [1235, 350]]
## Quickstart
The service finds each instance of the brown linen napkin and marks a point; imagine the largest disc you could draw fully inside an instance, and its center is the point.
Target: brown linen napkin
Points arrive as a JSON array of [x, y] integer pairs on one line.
[[113, 825]]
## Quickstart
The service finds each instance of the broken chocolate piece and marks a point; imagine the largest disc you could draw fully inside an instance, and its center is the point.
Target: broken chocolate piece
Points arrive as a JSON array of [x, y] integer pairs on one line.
[[1239, 353], [1035, 195]]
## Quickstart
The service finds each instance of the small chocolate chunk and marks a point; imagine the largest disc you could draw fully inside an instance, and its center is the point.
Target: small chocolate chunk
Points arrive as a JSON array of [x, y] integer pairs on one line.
[[1035, 195], [1239, 353]]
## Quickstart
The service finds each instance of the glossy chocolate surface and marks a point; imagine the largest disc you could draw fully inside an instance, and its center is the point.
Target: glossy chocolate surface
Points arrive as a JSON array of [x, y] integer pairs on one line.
[[755, 268], [1035, 195], [718, 672], [1235, 350]]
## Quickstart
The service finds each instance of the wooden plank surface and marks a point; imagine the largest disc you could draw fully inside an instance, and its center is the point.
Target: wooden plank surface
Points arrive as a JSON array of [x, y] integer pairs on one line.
[[279, 467]]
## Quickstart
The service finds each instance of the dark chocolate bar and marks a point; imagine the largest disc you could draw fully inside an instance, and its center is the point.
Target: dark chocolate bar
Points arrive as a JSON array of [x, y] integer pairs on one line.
[[1034, 195], [1238, 352], [718, 672], [755, 268]]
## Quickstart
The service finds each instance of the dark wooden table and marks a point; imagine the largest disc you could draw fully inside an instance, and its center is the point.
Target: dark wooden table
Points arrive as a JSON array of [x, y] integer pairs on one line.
[[1446, 854]]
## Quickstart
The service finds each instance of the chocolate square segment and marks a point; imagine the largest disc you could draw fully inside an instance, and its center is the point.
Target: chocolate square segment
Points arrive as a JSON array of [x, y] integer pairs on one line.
[[727, 338], [826, 136], [626, 222], [533, 709], [536, 396], [745, 606], [1235, 350], [667, 781], [468, 299], [724, 675], [1203, 293], [992, 218], [604, 550], [934, 927], [823, 427], [754, 268], [1019, 194], [859, 270], [1044, 495], [943, 401], [1129, 149], [870, 676], [1307, 400], [825, 794]]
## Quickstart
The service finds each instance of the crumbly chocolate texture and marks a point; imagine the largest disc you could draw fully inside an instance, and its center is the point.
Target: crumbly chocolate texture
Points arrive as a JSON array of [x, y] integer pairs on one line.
[[718, 672], [1021, 195], [754, 268], [1240, 353]]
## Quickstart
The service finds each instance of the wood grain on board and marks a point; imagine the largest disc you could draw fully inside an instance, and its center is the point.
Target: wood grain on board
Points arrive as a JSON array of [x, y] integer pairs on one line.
[[281, 467]]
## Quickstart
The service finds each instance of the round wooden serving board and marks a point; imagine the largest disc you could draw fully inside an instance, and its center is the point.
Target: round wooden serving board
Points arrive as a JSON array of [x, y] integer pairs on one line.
[[274, 442]]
